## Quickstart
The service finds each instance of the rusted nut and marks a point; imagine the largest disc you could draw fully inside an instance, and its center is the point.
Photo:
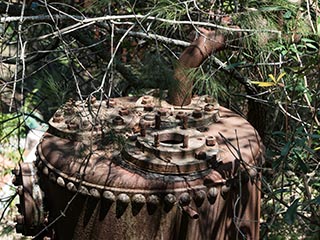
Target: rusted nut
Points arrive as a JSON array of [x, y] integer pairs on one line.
[[138, 199], [157, 119], [185, 143], [57, 118], [60, 182], [123, 198], [71, 187], [199, 197], [185, 199], [211, 141], [170, 200], [118, 121], [19, 219], [153, 200], [209, 108], [212, 194], [94, 192], [190, 212], [148, 107], [201, 155], [73, 126], [93, 99], [109, 196], [124, 111], [216, 116], [185, 119], [97, 127], [86, 125], [180, 115], [146, 100], [197, 113], [163, 112], [83, 190], [111, 102], [156, 140]]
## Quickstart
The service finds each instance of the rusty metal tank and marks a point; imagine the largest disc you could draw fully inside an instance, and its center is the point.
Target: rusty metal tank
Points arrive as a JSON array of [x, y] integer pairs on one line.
[[144, 168], [141, 168]]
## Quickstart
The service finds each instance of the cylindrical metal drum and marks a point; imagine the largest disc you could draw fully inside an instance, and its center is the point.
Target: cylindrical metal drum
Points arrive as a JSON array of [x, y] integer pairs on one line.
[[141, 168]]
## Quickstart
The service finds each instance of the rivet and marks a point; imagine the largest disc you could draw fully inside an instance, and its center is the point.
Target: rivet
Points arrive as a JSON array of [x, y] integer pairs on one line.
[[109, 196], [225, 188], [185, 199], [52, 177], [185, 143], [83, 190], [45, 170], [210, 141], [212, 193], [138, 199], [118, 121], [60, 182], [95, 193], [197, 113], [199, 197], [71, 187], [153, 200], [253, 172], [170, 199], [123, 198]]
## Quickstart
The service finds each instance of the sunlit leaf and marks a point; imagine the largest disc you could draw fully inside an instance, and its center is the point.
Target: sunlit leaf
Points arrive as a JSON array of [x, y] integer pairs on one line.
[[280, 76], [264, 84], [272, 78]]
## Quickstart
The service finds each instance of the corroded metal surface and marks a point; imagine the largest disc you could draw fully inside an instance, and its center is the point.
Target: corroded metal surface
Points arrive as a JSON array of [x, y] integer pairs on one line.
[[144, 169], [31, 218]]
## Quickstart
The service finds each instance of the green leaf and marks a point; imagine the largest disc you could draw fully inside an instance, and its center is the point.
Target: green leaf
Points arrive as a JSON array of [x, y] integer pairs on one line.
[[286, 149], [303, 166], [291, 213]]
